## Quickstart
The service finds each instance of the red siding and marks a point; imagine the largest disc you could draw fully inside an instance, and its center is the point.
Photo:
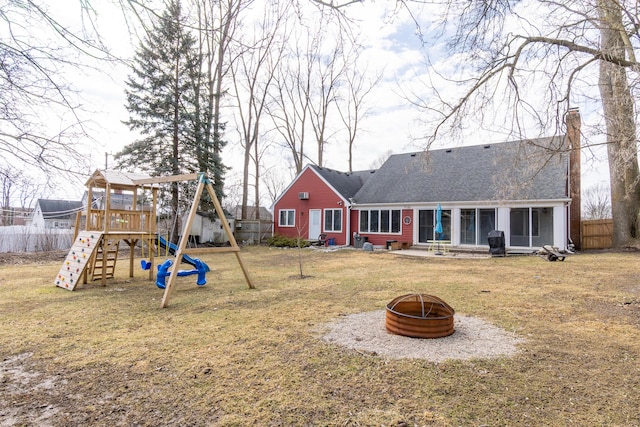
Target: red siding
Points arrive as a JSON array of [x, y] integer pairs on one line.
[[321, 196], [378, 239]]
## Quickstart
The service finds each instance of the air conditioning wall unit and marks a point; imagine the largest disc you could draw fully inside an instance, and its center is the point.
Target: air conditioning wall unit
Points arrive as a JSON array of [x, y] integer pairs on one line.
[[303, 195]]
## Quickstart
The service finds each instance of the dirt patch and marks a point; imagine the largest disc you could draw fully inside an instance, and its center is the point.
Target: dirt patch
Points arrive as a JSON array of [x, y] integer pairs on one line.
[[23, 390], [21, 258]]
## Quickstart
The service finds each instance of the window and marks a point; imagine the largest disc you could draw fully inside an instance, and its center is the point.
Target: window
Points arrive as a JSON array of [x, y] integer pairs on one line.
[[519, 219], [380, 221], [427, 225], [333, 220], [287, 218], [475, 225], [468, 226], [541, 226], [364, 221], [531, 226]]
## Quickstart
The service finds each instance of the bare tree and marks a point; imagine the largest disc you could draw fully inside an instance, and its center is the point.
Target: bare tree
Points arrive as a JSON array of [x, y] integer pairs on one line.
[[41, 116], [617, 60], [597, 203], [290, 106], [274, 182], [252, 78], [528, 62], [537, 68], [351, 106], [218, 22], [17, 190], [306, 89], [377, 163], [326, 75], [233, 194]]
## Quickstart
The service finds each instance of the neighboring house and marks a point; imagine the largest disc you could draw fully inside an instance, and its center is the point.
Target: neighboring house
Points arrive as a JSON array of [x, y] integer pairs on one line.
[[265, 215], [55, 213], [119, 200], [15, 216], [521, 188]]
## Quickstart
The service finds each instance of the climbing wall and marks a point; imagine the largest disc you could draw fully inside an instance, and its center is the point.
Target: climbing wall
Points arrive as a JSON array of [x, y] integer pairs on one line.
[[77, 260]]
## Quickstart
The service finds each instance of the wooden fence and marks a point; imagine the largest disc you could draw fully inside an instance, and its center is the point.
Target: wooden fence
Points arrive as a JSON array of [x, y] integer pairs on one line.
[[597, 234], [253, 232]]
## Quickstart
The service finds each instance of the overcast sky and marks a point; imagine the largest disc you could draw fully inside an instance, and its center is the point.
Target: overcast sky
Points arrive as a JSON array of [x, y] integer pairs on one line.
[[392, 48]]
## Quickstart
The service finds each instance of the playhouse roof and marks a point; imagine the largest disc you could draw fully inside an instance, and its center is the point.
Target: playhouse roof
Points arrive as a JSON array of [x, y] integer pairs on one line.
[[115, 178]]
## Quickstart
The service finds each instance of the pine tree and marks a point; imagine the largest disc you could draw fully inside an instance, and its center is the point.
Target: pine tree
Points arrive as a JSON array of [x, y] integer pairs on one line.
[[166, 107]]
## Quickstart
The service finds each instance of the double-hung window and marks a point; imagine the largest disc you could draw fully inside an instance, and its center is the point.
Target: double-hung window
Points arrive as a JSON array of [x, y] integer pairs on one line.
[[333, 220], [287, 218]]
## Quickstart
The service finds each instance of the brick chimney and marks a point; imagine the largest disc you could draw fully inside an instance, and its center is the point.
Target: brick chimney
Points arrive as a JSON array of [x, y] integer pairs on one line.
[[572, 120]]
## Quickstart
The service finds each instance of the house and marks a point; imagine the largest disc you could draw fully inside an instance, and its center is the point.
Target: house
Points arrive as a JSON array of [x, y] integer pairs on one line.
[[55, 213], [15, 216], [265, 215], [319, 201], [523, 188], [119, 200]]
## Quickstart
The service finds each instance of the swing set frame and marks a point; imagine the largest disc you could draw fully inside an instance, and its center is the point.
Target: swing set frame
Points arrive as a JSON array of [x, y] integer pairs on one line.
[[203, 183]]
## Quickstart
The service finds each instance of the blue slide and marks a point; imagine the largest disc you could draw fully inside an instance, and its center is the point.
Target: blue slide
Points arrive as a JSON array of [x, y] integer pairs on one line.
[[185, 258]]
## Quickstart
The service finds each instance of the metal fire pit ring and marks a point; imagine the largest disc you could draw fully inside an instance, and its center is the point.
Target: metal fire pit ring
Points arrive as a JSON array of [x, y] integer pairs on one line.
[[419, 316]]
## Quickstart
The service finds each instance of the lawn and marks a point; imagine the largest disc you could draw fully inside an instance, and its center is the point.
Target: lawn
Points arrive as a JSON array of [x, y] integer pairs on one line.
[[227, 355]]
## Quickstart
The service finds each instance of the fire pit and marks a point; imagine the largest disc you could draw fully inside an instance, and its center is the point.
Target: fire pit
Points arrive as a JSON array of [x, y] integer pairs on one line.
[[419, 316]]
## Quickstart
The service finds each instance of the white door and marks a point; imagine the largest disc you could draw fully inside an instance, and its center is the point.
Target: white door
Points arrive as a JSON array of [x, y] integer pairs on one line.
[[315, 221]]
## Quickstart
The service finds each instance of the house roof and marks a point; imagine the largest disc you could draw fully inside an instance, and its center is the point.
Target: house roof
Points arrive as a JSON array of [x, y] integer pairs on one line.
[[265, 214], [61, 209], [518, 170], [345, 183]]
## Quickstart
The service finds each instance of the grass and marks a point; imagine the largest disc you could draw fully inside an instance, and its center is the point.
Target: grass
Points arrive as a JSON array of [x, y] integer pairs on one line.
[[227, 355]]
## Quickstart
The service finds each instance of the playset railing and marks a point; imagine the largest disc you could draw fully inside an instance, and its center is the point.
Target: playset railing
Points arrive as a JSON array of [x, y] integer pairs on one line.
[[116, 220]]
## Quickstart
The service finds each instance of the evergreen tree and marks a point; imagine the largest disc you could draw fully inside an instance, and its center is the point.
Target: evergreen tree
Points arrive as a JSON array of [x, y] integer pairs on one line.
[[167, 108]]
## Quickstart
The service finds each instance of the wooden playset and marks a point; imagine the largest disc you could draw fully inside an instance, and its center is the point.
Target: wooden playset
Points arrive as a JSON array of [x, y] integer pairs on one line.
[[100, 229]]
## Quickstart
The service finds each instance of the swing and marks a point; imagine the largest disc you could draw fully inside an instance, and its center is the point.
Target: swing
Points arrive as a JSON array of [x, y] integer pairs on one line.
[[160, 241], [200, 268], [146, 265]]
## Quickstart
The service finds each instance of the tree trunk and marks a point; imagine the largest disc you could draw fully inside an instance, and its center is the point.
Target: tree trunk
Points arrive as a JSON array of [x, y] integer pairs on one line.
[[256, 180], [618, 109], [245, 178], [175, 151]]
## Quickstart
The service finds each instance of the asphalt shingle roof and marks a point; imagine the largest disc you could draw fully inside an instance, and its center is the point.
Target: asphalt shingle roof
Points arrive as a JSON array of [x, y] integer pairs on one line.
[[345, 183], [58, 208], [519, 170]]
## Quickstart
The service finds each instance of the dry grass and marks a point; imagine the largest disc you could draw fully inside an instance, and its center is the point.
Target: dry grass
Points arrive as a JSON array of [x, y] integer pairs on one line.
[[227, 355]]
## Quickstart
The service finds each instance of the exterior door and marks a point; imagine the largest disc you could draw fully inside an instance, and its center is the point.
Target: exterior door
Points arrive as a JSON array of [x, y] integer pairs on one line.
[[315, 223]]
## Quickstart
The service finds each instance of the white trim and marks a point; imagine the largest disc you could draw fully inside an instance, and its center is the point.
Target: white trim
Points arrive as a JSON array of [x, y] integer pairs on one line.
[[287, 225], [310, 213], [390, 210], [323, 219], [464, 204]]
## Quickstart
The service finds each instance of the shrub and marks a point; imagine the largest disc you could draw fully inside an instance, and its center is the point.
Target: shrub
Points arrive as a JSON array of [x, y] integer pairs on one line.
[[280, 241]]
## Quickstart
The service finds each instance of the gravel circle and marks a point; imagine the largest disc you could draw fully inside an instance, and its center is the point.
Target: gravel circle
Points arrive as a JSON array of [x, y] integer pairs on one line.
[[473, 338]]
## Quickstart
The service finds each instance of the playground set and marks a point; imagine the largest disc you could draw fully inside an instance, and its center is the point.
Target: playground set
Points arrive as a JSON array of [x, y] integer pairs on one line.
[[100, 229]]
